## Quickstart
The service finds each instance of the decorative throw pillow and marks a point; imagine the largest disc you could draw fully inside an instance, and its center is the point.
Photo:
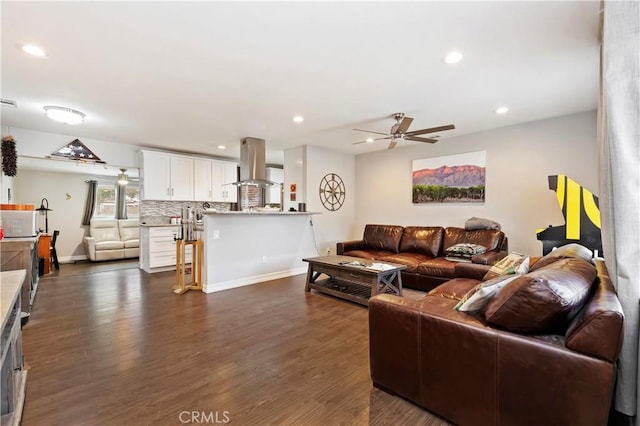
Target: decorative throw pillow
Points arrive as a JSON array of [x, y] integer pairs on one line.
[[515, 263], [572, 250], [479, 296], [463, 251]]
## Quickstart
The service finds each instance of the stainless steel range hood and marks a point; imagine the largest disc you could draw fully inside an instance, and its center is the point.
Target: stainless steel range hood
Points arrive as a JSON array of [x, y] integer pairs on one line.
[[253, 171]]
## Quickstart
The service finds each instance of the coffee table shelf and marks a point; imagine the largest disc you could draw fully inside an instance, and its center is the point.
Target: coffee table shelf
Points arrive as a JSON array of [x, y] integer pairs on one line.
[[354, 283]]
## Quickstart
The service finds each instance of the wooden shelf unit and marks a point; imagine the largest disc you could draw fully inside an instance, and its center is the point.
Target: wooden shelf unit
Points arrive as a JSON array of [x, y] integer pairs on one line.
[[182, 285]]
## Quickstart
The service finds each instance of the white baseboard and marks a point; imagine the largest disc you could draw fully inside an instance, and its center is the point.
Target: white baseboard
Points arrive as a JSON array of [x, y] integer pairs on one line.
[[226, 285], [71, 259]]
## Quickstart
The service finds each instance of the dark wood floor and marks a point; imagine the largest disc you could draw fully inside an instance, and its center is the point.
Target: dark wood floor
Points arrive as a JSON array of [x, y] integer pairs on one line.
[[118, 348]]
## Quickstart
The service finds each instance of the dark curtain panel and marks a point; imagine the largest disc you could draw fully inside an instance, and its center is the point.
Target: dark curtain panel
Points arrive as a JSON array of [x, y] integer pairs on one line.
[[90, 204], [121, 202]]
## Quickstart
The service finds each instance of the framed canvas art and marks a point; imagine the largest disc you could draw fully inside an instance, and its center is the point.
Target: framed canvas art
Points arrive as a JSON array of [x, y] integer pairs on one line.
[[458, 178]]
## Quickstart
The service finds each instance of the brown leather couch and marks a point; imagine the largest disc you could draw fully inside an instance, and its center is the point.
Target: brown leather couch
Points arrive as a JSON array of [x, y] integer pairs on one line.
[[422, 250], [559, 368]]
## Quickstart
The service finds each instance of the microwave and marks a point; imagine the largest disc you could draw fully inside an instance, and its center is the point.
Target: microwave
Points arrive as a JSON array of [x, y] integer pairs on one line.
[[18, 223]]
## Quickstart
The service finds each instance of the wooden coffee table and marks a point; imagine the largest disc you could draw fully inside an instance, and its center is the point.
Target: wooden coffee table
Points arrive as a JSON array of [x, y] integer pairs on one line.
[[353, 278]]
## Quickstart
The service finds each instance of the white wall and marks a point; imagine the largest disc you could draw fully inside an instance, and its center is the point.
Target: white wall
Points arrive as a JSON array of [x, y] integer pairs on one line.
[[295, 172], [330, 226], [66, 194], [519, 160], [33, 143]]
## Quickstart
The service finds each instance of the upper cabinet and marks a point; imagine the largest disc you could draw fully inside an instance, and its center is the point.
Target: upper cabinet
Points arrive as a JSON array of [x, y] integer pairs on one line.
[[166, 176], [182, 178], [224, 173]]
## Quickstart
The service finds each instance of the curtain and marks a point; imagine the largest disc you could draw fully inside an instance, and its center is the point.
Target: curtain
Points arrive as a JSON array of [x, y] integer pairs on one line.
[[619, 146], [90, 203], [121, 202]]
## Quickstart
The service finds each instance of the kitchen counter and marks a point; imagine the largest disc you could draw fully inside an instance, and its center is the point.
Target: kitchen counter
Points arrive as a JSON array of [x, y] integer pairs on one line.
[[242, 248], [152, 225], [9, 290], [256, 212]]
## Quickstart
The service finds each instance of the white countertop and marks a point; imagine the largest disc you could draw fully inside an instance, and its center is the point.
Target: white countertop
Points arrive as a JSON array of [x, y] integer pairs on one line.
[[19, 239], [151, 225], [258, 213], [11, 283]]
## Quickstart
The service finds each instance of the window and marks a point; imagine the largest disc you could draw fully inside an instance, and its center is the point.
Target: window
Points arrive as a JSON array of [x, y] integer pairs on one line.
[[133, 201], [106, 201]]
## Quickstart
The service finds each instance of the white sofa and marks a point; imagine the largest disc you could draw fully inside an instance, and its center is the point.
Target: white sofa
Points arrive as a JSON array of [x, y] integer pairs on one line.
[[113, 239]]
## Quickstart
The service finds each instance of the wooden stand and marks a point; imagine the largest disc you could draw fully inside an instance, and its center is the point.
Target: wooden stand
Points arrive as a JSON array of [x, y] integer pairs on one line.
[[44, 251], [195, 283]]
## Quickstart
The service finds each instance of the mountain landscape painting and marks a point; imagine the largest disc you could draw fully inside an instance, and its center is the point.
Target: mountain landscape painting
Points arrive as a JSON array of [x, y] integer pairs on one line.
[[456, 178]]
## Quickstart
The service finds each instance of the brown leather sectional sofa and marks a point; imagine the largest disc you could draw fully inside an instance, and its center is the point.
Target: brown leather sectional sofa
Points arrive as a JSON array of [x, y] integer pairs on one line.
[[422, 249], [542, 353]]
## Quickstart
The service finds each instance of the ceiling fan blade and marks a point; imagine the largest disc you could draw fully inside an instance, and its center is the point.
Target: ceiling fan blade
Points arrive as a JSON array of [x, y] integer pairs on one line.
[[392, 144], [369, 131], [431, 130], [377, 139], [419, 139], [404, 125]]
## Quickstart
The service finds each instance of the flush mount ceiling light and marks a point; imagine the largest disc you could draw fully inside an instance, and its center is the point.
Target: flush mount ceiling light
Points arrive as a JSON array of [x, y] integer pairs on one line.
[[33, 50], [502, 110], [64, 115], [222, 147], [452, 58], [123, 178], [298, 119], [369, 140]]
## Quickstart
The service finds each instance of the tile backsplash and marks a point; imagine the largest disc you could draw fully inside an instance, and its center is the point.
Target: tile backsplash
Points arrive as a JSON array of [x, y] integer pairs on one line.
[[159, 212]]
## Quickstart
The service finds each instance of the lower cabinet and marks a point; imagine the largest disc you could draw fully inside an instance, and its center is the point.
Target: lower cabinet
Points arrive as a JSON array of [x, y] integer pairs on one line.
[[22, 253], [158, 248]]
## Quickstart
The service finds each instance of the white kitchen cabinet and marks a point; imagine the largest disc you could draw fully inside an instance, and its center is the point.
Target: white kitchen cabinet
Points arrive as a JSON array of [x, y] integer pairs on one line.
[[158, 248], [272, 193], [202, 180], [223, 173], [156, 176], [181, 178], [166, 176]]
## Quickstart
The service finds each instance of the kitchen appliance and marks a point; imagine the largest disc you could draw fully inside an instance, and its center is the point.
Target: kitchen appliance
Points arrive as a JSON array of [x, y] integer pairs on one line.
[[18, 220]]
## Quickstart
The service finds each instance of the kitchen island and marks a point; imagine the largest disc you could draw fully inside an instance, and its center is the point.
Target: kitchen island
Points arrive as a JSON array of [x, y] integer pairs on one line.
[[242, 248]]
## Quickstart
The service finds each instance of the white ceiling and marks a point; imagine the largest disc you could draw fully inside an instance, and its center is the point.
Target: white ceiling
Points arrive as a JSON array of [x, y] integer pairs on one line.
[[189, 76]]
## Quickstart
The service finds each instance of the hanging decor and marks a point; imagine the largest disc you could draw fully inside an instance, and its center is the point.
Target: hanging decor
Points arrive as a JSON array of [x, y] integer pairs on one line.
[[9, 156], [78, 151]]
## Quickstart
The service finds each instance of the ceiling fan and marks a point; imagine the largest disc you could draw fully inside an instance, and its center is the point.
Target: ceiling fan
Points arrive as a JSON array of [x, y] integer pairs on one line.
[[399, 132]]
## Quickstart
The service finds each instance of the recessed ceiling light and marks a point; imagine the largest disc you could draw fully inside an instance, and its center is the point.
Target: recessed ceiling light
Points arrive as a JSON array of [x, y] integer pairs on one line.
[[298, 119], [452, 58], [64, 115], [34, 50], [502, 110], [369, 140], [222, 147]]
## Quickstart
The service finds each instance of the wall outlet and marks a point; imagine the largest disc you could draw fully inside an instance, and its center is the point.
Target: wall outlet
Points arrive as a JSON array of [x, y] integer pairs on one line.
[[216, 234], [328, 251], [264, 259]]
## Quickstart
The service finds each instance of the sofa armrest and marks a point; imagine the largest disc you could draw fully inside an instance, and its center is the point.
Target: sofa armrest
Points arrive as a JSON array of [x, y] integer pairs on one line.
[[471, 270], [350, 245], [488, 258], [90, 247]]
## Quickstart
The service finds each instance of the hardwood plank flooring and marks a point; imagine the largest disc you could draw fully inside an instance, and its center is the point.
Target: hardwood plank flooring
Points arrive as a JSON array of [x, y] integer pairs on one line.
[[119, 348]]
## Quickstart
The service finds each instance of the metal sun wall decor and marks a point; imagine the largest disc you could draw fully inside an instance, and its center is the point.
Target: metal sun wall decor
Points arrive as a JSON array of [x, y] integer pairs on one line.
[[456, 178], [332, 192]]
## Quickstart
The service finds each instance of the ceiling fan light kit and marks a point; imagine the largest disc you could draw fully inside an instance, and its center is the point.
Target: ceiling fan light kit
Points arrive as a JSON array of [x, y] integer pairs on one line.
[[64, 115], [399, 132]]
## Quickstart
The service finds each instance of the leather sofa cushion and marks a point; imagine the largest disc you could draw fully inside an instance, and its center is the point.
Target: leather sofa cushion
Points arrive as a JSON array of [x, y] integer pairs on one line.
[[489, 238], [412, 260], [132, 243], [129, 229], [383, 237], [367, 254], [422, 239], [597, 330], [109, 245], [104, 230], [439, 267], [454, 289], [572, 250], [544, 300]]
